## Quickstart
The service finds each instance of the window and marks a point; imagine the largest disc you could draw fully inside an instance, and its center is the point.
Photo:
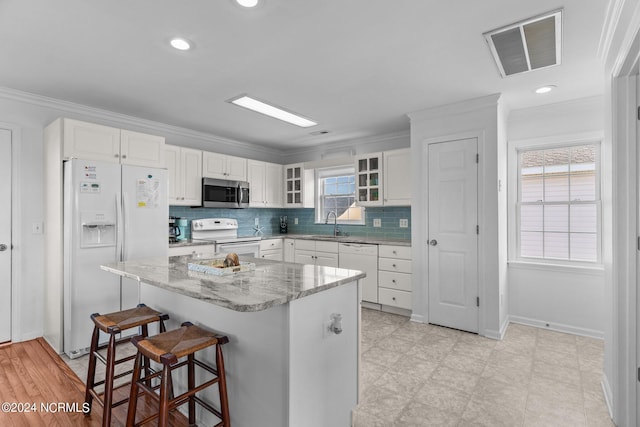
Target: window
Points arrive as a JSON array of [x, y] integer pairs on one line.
[[337, 193], [559, 203]]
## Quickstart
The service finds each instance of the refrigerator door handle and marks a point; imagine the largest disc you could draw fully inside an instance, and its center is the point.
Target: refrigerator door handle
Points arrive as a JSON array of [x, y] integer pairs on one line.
[[125, 225], [120, 223]]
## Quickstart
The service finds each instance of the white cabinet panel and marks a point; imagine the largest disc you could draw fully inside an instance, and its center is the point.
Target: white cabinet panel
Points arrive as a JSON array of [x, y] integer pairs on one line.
[[190, 250], [391, 264], [91, 141], [392, 280], [397, 177], [394, 298], [289, 250], [265, 184], [141, 149], [390, 251], [185, 175], [221, 166]]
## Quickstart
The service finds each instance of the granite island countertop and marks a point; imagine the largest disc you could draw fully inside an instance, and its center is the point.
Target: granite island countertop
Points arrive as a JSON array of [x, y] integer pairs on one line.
[[271, 283]]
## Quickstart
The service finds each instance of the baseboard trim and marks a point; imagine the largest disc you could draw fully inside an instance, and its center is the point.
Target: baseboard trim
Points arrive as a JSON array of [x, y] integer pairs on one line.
[[419, 318], [608, 396], [559, 327]]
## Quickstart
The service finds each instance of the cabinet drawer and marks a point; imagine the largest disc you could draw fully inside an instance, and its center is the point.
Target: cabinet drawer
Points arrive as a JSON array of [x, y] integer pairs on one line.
[[393, 280], [388, 251], [270, 244], [306, 245], [393, 298], [322, 246], [275, 255], [391, 264]]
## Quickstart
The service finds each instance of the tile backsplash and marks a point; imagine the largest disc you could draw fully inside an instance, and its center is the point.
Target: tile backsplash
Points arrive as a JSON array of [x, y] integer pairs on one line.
[[269, 220]]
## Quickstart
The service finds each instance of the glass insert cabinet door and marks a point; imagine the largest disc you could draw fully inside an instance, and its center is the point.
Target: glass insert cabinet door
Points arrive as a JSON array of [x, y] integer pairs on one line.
[[293, 176], [369, 179]]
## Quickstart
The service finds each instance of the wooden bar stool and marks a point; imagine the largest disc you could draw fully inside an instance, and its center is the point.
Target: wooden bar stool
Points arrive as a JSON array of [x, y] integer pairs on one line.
[[113, 324], [167, 348]]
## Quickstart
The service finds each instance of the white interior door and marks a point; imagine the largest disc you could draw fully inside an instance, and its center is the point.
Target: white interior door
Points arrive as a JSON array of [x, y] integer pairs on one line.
[[5, 235], [453, 238]]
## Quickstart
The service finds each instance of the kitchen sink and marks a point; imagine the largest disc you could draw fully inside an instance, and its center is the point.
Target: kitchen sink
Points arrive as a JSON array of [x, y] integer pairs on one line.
[[325, 236]]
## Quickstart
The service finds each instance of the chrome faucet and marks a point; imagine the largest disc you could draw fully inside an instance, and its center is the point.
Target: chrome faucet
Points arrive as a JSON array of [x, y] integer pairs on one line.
[[335, 222]]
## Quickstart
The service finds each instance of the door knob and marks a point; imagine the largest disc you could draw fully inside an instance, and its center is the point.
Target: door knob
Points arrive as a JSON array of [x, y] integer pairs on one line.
[[3, 247], [433, 242]]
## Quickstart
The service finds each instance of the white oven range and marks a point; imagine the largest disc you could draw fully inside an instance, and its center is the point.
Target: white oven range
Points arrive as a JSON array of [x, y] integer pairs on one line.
[[224, 233]]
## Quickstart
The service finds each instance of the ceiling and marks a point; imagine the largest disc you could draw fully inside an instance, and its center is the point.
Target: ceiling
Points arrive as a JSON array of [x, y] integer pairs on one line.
[[356, 67]]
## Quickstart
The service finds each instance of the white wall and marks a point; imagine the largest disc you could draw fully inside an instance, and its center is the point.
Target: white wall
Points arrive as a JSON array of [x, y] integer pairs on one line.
[[568, 299]]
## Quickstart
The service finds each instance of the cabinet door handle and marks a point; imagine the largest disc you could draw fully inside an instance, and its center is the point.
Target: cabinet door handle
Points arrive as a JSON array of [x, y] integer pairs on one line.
[[393, 280], [395, 253], [124, 156], [394, 266], [116, 155], [393, 298]]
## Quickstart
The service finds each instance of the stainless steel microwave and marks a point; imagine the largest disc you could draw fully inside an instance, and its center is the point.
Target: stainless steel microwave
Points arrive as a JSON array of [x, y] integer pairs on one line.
[[221, 193]]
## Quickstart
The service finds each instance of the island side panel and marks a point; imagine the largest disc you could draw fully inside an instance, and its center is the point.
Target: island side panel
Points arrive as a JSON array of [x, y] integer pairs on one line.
[[255, 358], [323, 380]]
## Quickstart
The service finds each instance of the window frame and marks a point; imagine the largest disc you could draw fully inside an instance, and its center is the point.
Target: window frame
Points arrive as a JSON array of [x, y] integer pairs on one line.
[[514, 150], [320, 174]]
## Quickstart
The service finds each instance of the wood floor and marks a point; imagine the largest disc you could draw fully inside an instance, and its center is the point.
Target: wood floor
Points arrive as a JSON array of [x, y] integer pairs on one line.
[[32, 375]]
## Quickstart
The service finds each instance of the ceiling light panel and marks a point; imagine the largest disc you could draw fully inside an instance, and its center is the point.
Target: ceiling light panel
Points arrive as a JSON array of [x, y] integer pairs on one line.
[[271, 111], [527, 45]]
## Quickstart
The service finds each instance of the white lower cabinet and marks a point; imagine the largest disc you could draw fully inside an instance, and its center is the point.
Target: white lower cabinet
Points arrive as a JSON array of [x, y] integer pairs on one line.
[[394, 276], [289, 250], [316, 252], [271, 249]]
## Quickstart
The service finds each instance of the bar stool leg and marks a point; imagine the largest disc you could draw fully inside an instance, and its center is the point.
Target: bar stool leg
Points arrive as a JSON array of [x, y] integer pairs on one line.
[[91, 375], [222, 387], [133, 396], [191, 384], [163, 418], [108, 384]]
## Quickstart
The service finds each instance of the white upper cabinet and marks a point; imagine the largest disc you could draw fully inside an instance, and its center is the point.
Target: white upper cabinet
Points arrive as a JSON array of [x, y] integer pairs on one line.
[[185, 175], [298, 186], [91, 141], [141, 149], [369, 179], [221, 166], [265, 184], [397, 177]]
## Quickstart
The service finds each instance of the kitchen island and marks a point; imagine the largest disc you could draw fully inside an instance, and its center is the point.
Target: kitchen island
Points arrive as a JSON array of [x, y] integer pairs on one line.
[[285, 365]]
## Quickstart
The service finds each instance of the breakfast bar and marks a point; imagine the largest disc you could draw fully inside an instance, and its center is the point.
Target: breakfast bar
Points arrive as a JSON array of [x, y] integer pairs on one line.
[[293, 354]]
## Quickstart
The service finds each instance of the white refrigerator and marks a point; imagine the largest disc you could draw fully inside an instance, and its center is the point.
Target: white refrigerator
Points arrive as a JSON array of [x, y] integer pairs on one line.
[[112, 213]]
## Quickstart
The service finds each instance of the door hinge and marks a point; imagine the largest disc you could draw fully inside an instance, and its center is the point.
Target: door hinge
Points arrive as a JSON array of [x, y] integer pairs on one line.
[[638, 373], [638, 113], [477, 229], [639, 243], [478, 155], [477, 301]]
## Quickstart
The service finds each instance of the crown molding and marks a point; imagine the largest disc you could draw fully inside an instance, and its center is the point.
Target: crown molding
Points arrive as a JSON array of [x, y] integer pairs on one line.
[[350, 143], [611, 19], [456, 108], [97, 113]]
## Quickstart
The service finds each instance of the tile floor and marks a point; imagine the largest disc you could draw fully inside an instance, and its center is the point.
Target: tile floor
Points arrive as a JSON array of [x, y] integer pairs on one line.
[[424, 375]]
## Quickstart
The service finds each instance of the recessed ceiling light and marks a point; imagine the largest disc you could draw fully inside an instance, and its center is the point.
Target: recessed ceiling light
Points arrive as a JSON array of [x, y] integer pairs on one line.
[[545, 89], [180, 43], [271, 111], [247, 3]]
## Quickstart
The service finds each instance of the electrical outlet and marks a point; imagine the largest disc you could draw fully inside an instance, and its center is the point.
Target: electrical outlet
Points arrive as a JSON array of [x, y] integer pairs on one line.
[[377, 222], [36, 228], [295, 221], [404, 223]]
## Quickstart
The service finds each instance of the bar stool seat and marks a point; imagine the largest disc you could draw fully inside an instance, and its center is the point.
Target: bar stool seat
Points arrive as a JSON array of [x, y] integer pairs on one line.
[[113, 324], [166, 348]]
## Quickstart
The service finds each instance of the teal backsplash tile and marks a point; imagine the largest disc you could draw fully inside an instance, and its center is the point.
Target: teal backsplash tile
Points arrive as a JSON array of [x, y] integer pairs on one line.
[[269, 220]]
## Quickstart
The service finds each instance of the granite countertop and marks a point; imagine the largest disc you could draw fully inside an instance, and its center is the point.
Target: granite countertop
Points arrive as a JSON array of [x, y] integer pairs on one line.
[[327, 237], [272, 283]]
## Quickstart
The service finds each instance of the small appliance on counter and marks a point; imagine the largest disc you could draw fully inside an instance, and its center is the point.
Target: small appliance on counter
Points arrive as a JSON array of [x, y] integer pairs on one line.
[[183, 228], [174, 230], [283, 225]]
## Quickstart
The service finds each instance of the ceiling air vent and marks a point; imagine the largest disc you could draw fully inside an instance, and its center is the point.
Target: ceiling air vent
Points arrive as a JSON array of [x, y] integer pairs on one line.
[[527, 45]]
